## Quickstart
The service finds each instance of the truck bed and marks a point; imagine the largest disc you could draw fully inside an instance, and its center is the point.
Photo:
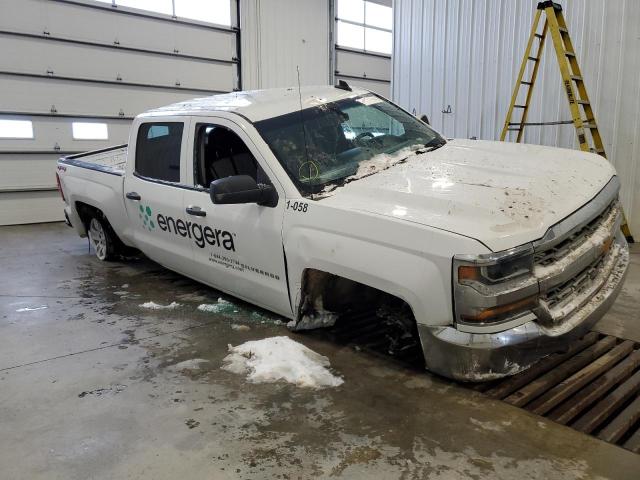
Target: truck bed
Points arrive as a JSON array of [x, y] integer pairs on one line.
[[108, 160]]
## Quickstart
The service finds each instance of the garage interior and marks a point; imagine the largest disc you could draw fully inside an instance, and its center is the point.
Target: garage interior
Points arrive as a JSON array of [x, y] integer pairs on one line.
[[94, 386]]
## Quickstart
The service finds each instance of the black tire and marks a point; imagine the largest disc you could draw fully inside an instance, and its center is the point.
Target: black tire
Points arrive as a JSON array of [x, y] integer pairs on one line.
[[102, 238]]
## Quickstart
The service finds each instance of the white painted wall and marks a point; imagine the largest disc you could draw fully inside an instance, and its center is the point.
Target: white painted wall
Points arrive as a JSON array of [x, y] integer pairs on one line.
[[279, 35], [466, 53]]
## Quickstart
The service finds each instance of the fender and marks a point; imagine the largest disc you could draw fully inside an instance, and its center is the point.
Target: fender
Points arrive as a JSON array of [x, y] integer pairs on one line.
[[106, 196], [394, 260]]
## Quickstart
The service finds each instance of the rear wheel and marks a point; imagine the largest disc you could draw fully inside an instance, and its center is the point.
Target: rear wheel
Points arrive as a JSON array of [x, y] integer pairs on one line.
[[102, 239]]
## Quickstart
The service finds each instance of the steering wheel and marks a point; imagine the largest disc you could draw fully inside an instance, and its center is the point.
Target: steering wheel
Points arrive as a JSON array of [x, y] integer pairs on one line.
[[362, 135], [371, 140]]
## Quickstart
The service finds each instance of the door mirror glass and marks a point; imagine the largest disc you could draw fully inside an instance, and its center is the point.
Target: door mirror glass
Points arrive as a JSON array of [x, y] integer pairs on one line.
[[242, 189]]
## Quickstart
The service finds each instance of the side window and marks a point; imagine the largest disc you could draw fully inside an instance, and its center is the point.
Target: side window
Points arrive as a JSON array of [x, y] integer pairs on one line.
[[220, 153], [158, 150]]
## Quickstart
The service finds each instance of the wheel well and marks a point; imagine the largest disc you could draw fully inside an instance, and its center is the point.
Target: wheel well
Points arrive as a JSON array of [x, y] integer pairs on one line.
[[86, 212], [324, 291], [359, 314]]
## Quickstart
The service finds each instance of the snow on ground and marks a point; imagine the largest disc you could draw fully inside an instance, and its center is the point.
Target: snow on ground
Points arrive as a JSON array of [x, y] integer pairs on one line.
[[157, 306], [240, 328], [192, 364], [32, 309], [222, 306], [280, 358]]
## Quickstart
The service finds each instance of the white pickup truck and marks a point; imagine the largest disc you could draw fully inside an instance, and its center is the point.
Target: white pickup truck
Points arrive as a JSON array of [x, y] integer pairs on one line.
[[312, 203]]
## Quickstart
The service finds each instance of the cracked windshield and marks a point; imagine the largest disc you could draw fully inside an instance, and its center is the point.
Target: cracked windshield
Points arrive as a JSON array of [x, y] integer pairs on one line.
[[324, 147]]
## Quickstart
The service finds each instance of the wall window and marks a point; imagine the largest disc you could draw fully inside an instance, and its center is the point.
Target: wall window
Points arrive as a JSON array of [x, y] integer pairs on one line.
[[158, 150], [156, 6], [16, 128], [210, 11], [89, 131], [365, 25]]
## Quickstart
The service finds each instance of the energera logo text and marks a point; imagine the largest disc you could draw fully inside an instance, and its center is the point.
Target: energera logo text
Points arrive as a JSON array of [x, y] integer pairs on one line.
[[200, 235]]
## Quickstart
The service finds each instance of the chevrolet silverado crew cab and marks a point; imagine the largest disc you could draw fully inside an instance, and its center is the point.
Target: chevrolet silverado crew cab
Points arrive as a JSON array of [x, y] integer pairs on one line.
[[313, 202]]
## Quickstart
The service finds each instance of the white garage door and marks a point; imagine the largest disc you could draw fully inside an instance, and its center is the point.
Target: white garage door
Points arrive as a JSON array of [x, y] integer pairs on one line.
[[75, 72], [364, 44]]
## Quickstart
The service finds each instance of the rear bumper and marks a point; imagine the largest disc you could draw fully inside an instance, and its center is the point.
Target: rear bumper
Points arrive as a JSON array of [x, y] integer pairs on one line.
[[480, 357]]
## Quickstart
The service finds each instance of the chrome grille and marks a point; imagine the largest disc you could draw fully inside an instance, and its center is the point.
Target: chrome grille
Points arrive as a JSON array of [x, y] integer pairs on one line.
[[574, 286], [551, 255]]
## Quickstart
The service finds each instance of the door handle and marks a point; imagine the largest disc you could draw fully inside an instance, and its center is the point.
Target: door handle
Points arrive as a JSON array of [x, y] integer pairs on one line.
[[196, 211], [133, 196]]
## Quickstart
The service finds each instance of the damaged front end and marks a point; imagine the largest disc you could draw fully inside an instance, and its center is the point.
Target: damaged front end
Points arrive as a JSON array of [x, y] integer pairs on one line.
[[325, 296], [513, 308]]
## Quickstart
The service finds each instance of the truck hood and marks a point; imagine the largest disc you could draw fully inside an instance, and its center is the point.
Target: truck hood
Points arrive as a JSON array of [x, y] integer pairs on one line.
[[501, 194]]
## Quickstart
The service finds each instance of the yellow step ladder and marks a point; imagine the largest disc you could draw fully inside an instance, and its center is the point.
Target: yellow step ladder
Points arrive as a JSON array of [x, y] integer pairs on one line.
[[582, 115]]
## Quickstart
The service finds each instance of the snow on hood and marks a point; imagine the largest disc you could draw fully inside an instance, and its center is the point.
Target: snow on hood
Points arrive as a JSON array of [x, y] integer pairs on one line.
[[376, 164], [502, 194], [280, 358]]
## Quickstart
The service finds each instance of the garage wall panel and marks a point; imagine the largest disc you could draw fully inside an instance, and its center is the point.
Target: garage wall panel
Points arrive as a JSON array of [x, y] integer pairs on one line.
[[49, 132], [66, 60], [107, 25], [31, 207], [466, 54], [76, 97], [356, 63], [40, 168]]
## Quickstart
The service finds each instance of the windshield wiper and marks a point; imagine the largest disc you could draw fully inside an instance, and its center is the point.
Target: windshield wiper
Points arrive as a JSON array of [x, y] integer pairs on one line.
[[434, 144]]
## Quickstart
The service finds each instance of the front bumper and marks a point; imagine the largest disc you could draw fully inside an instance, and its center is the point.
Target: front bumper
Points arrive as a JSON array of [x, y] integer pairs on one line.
[[479, 357]]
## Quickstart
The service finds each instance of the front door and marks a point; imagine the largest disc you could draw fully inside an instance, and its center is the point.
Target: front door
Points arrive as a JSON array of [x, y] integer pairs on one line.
[[154, 193], [237, 248]]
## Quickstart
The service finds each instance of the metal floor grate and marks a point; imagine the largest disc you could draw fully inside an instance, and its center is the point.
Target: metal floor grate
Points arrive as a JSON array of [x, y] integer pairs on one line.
[[593, 388]]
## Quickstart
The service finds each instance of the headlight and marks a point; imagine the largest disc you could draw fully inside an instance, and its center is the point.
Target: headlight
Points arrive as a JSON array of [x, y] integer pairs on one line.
[[494, 288]]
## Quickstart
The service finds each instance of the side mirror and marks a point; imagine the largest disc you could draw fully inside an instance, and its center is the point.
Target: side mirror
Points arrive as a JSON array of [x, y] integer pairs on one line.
[[242, 189], [425, 119]]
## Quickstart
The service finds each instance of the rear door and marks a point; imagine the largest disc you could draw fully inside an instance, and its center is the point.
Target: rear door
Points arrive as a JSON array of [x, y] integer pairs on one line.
[[238, 248], [154, 191]]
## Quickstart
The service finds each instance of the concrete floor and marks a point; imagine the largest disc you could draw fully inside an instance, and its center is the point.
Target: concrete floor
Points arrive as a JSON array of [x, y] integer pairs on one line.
[[88, 390]]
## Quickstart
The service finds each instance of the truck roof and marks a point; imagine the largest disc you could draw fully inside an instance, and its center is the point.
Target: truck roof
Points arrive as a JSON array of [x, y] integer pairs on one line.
[[258, 105]]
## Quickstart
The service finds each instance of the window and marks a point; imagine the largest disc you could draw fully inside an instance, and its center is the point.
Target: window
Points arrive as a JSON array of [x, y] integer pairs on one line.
[[350, 35], [16, 128], [378, 16], [365, 25], [351, 10], [158, 151], [157, 6], [211, 11], [89, 131], [334, 139], [377, 40], [221, 153]]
